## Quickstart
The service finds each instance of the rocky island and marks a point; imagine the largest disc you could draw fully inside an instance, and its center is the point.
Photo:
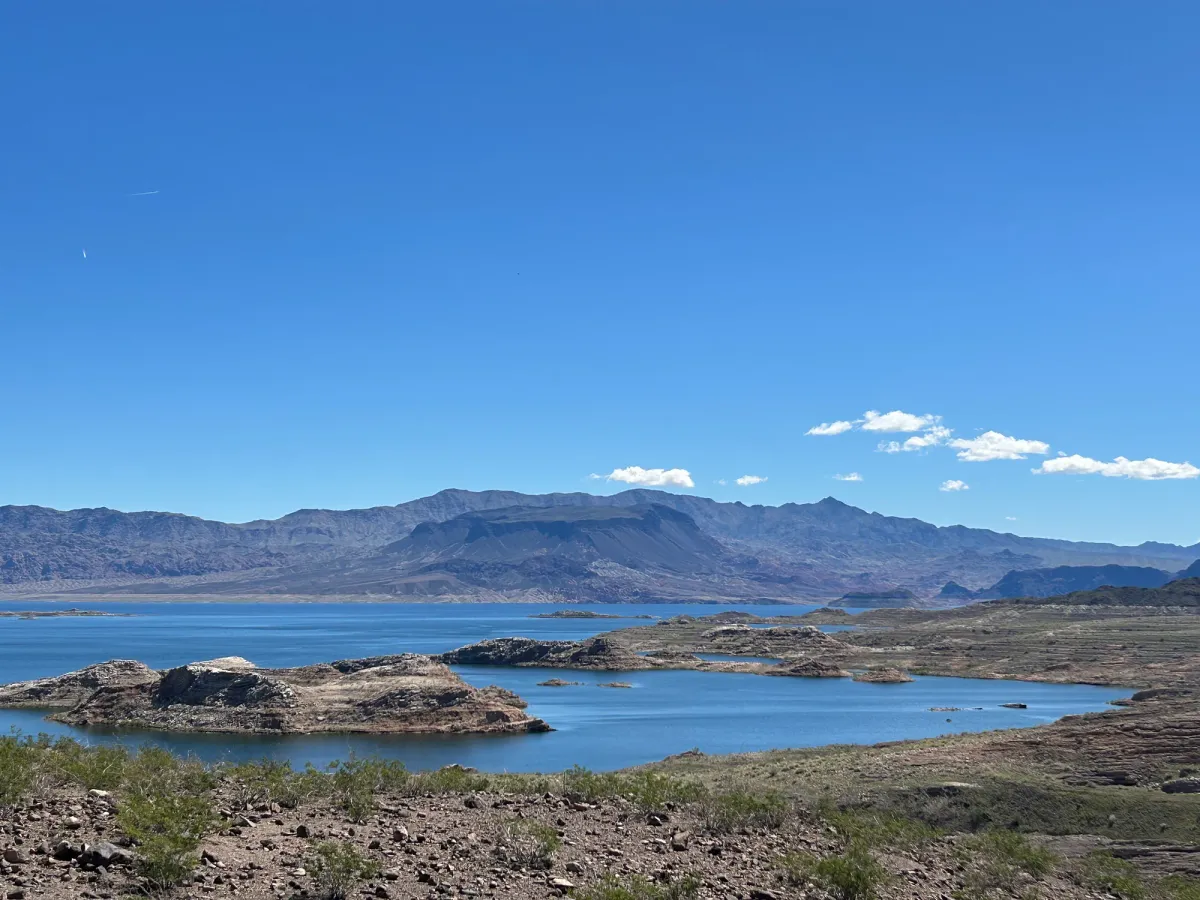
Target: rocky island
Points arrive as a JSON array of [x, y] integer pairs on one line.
[[404, 694]]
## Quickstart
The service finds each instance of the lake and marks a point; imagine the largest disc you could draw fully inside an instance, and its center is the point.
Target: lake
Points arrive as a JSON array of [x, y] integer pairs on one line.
[[664, 712]]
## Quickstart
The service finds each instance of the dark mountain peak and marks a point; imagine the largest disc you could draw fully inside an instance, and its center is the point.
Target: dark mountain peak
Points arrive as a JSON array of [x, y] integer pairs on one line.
[[1068, 579], [1192, 571]]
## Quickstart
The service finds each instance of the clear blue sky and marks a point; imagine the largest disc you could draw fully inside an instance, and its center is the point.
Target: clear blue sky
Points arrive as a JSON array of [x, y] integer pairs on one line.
[[398, 247]]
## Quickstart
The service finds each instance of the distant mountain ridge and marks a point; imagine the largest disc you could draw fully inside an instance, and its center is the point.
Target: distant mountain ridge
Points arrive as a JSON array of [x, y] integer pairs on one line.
[[795, 551]]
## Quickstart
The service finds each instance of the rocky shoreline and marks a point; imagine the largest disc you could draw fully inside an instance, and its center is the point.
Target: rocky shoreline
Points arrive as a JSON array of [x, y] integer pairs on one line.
[[405, 694]]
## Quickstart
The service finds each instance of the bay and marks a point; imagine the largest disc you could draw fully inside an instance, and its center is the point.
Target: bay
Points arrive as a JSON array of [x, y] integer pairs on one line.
[[663, 712]]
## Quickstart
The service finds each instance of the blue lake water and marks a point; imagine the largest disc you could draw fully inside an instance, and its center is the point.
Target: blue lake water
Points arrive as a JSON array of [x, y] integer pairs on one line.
[[664, 712]]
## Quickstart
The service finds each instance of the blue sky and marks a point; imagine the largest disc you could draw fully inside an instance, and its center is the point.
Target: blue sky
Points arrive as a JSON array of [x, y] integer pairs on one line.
[[402, 247]]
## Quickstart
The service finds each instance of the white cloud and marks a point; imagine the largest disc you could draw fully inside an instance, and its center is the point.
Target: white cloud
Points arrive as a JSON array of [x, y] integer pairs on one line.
[[994, 445], [853, 476], [896, 420], [650, 477], [1148, 469], [747, 480], [1011, 518], [954, 485], [722, 482], [935, 436], [827, 428]]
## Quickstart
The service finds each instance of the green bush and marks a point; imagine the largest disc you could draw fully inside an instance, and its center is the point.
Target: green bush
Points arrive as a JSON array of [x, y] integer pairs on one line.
[[637, 887], [997, 860], [357, 782], [589, 786], [526, 844], [19, 759], [167, 829], [873, 828], [446, 780], [272, 781], [735, 806], [102, 767], [1123, 879], [851, 875], [155, 772], [338, 868]]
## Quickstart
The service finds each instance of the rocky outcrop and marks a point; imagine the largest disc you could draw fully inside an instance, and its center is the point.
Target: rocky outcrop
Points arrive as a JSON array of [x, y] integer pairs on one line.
[[389, 694], [808, 668], [884, 675], [68, 690], [600, 653]]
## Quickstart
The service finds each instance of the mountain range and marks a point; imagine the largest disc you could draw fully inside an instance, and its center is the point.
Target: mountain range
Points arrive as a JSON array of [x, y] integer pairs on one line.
[[635, 545]]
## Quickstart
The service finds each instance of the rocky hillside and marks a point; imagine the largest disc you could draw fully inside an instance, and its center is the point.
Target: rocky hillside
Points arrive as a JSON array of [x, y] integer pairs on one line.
[[1183, 592], [1068, 579], [815, 550]]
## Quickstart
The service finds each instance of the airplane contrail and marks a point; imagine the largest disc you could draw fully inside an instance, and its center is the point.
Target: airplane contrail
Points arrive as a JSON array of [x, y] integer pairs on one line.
[[141, 194]]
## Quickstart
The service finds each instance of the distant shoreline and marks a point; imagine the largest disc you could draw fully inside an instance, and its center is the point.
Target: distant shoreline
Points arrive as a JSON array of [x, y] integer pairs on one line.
[[359, 598]]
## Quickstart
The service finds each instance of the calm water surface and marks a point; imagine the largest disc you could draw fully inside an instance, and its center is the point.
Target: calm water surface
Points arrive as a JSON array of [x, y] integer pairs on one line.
[[603, 728]]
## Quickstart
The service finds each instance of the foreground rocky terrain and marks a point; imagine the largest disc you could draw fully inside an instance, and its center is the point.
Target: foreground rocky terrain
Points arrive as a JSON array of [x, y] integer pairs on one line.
[[375, 830], [387, 694]]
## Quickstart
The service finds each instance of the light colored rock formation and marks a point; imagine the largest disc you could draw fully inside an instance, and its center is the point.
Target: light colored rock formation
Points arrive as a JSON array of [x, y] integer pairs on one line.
[[884, 675], [388, 694]]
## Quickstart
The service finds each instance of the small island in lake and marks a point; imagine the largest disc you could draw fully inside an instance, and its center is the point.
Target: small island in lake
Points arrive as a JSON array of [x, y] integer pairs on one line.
[[60, 614], [582, 614], [404, 694]]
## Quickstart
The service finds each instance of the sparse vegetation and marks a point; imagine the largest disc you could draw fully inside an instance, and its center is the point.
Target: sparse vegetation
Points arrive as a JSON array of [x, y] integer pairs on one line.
[[167, 829], [851, 875], [735, 805], [526, 844], [999, 859], [338, 868], [1123, 879], [610, 887]]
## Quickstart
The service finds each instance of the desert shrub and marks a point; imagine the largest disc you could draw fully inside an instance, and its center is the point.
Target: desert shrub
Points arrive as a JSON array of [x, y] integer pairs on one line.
[[447, 780], [155, 772], [636, 887], [873, 828], [998, 858], [19, 759], [338, 868], [737, 806], [526, 844], [1179, 887], [851, 875], [102, 767], [167, 829], [356, 783], [654, 791], [274, 781], [590, 786], [1115, 876]]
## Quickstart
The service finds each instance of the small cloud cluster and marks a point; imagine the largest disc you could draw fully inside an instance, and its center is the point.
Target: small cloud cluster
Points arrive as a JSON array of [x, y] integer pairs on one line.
[[896, 421], [830, 428], [873, 420], [681, 478], [853, 476], [954, 485], [1149, 469], [936, 435], [747, 480], [993, 445]]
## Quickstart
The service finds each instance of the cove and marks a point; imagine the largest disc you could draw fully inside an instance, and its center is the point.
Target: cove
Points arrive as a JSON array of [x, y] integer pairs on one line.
[[664, 712]]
